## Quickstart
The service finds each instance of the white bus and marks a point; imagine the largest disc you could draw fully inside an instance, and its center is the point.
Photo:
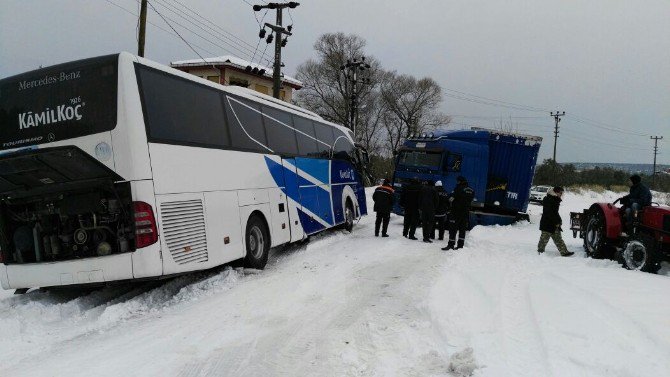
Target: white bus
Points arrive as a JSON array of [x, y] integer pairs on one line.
[[117, 168]]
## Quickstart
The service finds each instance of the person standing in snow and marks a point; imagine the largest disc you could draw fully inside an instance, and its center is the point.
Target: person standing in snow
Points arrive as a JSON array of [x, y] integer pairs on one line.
[[383, 198], [428, 201], [550, 223], [441, 210], [638, 197], [459, 217], [409, 200]]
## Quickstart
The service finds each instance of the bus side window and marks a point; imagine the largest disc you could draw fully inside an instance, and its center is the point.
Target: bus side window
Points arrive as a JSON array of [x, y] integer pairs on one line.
[[181, 111], [324, 133], [307, 144], [246, 125], [343, 148], [280, 131]]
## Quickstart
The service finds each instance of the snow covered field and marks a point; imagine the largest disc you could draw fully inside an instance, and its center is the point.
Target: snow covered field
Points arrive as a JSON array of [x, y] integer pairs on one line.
[[356, 305]]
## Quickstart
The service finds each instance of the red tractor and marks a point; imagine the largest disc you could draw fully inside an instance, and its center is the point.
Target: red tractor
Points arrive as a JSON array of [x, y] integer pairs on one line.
[[643, 247]]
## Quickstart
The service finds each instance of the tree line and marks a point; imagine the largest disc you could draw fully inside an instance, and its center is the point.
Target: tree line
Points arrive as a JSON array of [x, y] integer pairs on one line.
[[551, 173]]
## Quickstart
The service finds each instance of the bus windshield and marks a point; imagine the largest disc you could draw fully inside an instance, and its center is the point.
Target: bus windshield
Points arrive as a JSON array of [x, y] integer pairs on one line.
[[60, 102], [420, 159]]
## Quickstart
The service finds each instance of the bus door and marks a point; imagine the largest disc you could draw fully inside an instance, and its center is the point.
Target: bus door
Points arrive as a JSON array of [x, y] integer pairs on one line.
[[293, 199], [314, 190]]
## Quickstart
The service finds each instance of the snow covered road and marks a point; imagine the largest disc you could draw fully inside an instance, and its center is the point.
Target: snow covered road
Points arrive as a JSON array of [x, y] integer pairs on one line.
[[356, 305]]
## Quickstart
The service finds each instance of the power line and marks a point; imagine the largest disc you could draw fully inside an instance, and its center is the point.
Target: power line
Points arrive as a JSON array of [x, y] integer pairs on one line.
[[173, 29], [233, 44], [604, 126], [155, 25], [223, 30], [197, 34], [508, 104], [469, 97]]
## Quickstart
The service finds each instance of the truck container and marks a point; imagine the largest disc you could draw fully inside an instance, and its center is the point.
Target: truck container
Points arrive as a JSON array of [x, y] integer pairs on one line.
[[498, 165]]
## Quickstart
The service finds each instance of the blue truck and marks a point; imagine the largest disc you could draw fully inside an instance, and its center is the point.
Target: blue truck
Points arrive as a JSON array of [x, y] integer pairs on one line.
[[499, 166]]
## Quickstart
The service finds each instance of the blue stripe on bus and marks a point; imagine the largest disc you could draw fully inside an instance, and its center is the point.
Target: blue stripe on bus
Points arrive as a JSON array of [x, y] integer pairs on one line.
[[318, 169], [314, 198]]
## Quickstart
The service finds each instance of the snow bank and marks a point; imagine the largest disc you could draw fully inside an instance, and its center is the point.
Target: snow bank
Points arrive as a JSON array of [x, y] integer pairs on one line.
[[463, 363]]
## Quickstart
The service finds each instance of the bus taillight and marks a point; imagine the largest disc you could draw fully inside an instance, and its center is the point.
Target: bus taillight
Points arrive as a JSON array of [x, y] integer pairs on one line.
[[146, 232]]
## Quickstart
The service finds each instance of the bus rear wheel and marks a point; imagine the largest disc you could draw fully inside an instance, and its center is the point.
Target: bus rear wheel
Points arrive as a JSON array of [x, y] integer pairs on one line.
[[257, 242]]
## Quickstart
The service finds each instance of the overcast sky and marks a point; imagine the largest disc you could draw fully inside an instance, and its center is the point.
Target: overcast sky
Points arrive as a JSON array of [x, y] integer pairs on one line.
[[606, 63]]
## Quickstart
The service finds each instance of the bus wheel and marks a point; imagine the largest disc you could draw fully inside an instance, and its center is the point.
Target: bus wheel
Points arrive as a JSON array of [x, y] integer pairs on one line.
[[349, 216], [257, 241]]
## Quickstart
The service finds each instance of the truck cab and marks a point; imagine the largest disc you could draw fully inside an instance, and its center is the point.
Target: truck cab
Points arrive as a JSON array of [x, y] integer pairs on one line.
[[498, 166]]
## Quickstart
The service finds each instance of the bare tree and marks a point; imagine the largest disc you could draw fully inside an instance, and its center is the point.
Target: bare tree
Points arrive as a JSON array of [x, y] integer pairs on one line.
[[412, 107], [326, 92]]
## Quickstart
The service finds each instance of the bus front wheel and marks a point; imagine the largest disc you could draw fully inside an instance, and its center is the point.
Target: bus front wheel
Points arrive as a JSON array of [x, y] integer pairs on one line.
[[349, 216], [257, 242]]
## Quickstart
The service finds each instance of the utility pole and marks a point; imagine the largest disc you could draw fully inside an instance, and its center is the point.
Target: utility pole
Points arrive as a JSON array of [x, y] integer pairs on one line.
[[557, 119], [653, 175], [143, 28], [280, 40], [351, 75]]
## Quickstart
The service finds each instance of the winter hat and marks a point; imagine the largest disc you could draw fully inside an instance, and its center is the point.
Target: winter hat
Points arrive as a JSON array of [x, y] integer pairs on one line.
[[438, 183], [461, 178], [386, 182], [635, 179], [558, 189]]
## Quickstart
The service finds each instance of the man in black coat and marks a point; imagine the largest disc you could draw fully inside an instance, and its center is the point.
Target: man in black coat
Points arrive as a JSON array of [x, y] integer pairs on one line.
[[550, 223], [409, 200], [441, 210], [427, 203], [639, 196], [459, 217], [383, 198]]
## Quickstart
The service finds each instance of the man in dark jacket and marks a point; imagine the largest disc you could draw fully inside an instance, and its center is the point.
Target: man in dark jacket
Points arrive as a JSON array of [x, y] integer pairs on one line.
[[638, 197], [459, 217], [409, 200], [550, 223], [441, 210], [428, 201], [383, 198]]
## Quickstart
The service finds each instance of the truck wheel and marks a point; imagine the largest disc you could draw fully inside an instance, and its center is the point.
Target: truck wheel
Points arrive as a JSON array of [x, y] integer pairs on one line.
[[594, 236], [257, 241], [640, 255]]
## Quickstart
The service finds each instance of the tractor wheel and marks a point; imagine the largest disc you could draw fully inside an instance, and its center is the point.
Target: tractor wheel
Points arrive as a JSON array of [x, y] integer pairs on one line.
[[639, 254], [595, 242]]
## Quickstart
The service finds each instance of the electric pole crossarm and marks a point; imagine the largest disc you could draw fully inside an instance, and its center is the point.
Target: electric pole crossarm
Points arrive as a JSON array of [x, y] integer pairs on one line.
[[557, 119], [351, 70], [653, 173], [280, 40]]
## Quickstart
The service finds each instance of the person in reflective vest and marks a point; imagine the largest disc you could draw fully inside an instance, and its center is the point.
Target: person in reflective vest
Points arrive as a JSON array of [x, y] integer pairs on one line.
[[383, 198]]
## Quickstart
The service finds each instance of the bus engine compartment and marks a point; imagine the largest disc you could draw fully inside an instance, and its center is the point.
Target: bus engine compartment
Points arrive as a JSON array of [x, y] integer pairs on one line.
[[74, 225], [60, 204]]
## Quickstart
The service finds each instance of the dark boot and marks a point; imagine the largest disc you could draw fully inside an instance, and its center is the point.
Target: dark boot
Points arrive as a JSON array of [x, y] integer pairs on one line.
[[568, 254], [460, 244], [449, 246]]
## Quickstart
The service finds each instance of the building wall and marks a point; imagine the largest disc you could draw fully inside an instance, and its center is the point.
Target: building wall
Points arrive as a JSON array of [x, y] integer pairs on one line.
[[257, 83], [212, 74], [233, 77]]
